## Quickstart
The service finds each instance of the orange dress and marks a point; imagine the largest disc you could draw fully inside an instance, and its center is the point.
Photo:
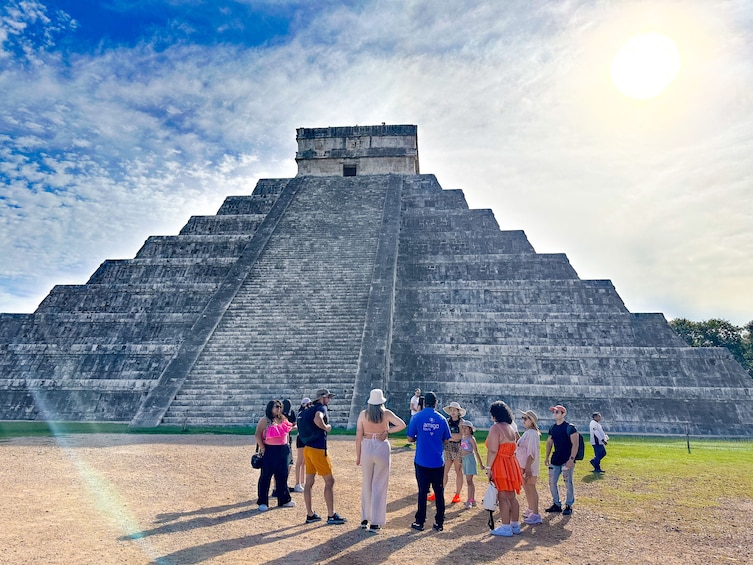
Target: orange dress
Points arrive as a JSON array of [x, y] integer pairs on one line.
[[505, 468]]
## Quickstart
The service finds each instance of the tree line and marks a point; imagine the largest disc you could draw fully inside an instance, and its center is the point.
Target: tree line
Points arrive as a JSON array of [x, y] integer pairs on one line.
[[719, 333]]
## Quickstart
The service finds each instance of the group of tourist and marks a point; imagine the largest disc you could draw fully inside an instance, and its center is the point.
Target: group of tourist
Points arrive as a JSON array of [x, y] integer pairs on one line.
[[442, 443]]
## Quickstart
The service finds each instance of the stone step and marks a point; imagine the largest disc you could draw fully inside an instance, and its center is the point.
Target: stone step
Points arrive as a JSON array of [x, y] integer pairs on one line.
[[194, 403], [317, 274]]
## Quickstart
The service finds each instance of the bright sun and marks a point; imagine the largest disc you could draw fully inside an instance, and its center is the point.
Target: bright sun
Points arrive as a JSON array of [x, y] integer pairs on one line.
[[645, 65]]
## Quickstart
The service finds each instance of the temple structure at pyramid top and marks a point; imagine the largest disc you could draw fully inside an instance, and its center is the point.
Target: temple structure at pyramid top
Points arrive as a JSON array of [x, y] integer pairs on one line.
[[358, 273], [358, 150]]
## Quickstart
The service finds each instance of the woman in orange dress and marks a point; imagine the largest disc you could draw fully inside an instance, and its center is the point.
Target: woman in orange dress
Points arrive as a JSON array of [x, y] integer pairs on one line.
[[503, 468]]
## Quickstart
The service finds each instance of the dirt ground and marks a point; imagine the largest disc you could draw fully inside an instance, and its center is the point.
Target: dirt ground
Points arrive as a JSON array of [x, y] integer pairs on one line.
[[182, 499]]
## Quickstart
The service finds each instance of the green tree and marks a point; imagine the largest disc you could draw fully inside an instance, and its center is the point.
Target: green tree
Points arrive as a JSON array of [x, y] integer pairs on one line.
[[747, 343], [718, 333]]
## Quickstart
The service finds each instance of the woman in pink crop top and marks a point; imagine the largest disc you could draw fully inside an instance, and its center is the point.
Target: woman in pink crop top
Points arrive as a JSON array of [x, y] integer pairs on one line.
[[272, 439]]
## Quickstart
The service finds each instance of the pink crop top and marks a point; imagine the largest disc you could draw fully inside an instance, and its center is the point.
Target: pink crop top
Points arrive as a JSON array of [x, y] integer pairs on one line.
[[277, 434]]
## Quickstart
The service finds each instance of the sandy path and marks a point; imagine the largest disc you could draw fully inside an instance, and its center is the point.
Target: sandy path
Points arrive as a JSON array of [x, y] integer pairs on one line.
[[182, 499]]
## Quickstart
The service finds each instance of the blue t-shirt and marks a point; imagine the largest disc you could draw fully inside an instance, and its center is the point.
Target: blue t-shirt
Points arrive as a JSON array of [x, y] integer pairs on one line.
[[430, 430]]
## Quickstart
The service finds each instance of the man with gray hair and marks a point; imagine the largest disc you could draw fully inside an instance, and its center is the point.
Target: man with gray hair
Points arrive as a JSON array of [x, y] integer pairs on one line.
[[598, 442]]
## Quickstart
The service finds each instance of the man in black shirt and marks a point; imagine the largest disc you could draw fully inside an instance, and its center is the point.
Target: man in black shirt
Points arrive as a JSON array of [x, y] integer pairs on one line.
[[564, 438]]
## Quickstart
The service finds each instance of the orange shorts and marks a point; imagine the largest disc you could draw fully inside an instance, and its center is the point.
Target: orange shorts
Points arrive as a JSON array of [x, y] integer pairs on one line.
[[317, 461]]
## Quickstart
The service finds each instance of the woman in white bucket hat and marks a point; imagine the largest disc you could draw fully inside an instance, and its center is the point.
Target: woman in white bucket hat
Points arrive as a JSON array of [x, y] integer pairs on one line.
[[373, 455], [452, 453], [528, 454]]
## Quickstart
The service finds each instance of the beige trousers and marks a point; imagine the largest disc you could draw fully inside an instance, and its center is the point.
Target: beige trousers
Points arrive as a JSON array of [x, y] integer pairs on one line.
[[375, 463]]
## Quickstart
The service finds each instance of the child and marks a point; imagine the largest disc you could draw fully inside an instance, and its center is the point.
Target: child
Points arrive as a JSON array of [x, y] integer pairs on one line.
[[469, 449], [529, 457], [300, 467]]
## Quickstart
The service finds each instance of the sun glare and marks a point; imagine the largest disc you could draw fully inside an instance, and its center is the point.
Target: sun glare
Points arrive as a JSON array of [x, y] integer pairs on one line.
[[645, 65]]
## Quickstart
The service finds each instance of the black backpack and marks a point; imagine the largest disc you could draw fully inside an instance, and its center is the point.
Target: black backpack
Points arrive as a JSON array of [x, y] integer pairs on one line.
[[308, 431], [581, 444]]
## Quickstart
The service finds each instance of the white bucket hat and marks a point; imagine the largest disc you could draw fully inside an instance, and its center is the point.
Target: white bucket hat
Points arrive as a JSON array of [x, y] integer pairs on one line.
[[454, 405], [376, 397]]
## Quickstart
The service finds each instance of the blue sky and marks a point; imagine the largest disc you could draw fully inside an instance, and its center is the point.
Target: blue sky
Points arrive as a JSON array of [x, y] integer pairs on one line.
[[121, 119]]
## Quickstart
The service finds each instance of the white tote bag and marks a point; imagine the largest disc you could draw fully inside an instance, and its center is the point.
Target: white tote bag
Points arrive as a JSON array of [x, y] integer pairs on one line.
[[490, 497]]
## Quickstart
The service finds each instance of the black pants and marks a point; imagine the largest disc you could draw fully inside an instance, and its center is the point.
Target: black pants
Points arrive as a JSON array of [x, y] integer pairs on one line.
[[600, 452], [433, 476], [274, 464]]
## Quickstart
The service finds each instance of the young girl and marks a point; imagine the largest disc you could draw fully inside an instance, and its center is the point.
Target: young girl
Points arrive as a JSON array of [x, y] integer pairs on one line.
[[469, 451], [300, 467], [529, 457]]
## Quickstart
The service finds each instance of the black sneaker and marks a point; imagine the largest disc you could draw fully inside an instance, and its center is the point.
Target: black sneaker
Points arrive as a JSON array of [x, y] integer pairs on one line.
[[364, 524], [554, 508], [437, 528], [335, 519], [374, 529], [568, 510], [417, 526], [313, 518]]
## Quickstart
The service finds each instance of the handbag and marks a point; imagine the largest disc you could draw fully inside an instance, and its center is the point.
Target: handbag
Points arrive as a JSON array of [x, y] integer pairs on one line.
[[490, 497], [256, 460], [490, 503]]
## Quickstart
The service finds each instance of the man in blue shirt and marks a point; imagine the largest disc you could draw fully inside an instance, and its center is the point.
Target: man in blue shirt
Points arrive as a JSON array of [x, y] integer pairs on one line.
[[429, 429]]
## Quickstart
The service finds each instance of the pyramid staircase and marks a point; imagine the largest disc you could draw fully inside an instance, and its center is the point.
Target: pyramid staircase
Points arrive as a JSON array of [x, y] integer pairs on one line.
[[296, 323]]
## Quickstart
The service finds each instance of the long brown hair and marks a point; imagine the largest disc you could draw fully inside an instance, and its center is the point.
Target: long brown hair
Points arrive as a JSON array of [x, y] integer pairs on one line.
[[374, 413]]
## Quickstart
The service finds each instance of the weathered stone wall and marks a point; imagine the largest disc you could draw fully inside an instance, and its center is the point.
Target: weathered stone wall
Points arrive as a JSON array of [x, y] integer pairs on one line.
[[479, 316], [351, 283], [94, 351], [371, 150]]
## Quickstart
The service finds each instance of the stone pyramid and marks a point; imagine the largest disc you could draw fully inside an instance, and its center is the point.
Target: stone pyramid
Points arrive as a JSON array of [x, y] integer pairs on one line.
[[358, 273]]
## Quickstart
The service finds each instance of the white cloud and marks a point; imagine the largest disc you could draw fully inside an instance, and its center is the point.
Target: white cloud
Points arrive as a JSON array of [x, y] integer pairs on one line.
[[513, 105]]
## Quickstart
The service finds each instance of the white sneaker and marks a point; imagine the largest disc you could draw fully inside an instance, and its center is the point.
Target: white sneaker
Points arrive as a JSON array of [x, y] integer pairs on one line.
[[298, 488], [533, 519], [504, 530], [289, 504], [263, 508]]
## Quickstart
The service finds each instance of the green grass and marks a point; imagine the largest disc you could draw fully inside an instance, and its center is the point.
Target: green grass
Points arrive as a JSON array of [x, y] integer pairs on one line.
[[10, 429], [655, 478], [645, 475], [654, 471]]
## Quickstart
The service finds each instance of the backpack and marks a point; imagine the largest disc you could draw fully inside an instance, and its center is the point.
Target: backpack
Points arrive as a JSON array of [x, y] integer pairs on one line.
[[581, 444], [308, 431]]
